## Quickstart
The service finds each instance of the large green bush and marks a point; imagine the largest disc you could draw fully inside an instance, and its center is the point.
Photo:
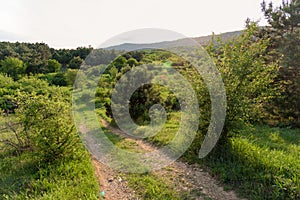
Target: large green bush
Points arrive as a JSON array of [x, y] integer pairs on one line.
[[42, 125], [247, 77]]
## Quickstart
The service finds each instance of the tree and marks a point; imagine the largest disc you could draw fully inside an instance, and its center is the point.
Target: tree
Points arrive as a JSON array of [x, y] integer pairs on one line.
[[41, 125], [38, 58], [52, 66], [82, 52], [75, 63], [284, 33], [120, 62], [60, 79], [285, 18], [63, 56], [285, 23], [70, 75], [14, 67], [132, 62]]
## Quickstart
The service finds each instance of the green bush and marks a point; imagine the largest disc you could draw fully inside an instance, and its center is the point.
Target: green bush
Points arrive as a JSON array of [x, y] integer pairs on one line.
[[41, 124], [59, 79]]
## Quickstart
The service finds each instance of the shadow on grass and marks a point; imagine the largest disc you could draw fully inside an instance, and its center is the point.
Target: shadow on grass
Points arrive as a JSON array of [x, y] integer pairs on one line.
[[273, 138], [16, 174], [261, 162]]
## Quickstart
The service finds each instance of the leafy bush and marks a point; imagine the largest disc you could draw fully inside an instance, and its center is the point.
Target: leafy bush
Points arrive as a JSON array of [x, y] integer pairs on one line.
[[42, 125], [14, 67], [59, 79], [247, 77]]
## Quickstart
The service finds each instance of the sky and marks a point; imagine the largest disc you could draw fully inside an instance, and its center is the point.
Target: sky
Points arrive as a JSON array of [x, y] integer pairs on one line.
[[74, 23]]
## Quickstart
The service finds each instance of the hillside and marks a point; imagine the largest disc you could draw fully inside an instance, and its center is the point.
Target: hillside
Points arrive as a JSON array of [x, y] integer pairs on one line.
[[202, 40]]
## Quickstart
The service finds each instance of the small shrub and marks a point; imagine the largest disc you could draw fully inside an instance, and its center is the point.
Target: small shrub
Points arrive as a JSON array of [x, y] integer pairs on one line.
[[42, 125]]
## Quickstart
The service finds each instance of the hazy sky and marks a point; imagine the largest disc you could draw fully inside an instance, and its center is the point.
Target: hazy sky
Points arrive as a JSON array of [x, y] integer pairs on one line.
[[72, 23]]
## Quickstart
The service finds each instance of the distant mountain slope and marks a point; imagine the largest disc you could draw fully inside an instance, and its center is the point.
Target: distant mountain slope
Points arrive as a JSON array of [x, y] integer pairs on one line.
[[203, 40]]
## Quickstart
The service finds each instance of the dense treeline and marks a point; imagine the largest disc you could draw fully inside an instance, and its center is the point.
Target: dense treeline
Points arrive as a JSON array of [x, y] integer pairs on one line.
[[40, 58]]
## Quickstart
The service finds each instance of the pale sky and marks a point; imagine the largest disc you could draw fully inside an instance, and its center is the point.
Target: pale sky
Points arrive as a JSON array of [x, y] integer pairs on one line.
[[73, 23]]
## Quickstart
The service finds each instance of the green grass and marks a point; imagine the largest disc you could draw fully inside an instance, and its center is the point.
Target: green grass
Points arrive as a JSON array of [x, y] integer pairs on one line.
[[149, 186], [24, 177], [123, 143], [169, 130], [261, 162]]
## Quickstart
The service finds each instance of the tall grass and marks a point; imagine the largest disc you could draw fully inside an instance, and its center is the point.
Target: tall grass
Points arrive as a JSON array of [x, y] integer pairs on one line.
[[262, 162], [23, 178]]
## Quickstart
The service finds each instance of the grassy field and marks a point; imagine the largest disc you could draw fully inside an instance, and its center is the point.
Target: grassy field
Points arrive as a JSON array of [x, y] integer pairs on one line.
[[169, 130]]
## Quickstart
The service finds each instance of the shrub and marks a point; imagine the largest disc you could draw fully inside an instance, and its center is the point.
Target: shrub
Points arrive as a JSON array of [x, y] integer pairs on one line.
[[42, 125]]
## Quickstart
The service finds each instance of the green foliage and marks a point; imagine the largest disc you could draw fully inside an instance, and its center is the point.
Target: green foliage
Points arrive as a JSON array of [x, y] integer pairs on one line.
[[7, 87], [120, 62], [52, 66], [59, 79], [65, 56], [41, 156], [9, 90], [100, 57], [145, 96], [39, 58], [75, 63], [132, 62], [13, 67], [46, 124], [70, 75], [169, 130], [37, 119], [247, 77], [35, 56], [284, 33], [285, 18], [42, 125]]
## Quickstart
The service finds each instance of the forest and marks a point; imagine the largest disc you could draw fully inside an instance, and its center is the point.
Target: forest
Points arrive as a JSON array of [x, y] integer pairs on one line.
[[43, 153]]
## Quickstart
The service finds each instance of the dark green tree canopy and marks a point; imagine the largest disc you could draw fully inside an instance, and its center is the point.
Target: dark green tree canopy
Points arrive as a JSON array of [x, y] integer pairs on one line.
[[284, 33]]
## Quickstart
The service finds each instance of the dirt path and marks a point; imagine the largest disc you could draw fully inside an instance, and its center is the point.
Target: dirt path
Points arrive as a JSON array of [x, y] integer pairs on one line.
[[189, 179], [110, 181]]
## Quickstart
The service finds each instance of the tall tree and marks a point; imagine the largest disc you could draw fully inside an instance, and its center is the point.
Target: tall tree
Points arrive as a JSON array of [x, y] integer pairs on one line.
[[284, 33]]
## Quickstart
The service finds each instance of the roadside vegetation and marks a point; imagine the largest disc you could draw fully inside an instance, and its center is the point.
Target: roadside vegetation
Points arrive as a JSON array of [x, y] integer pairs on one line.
[[41, 154]]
